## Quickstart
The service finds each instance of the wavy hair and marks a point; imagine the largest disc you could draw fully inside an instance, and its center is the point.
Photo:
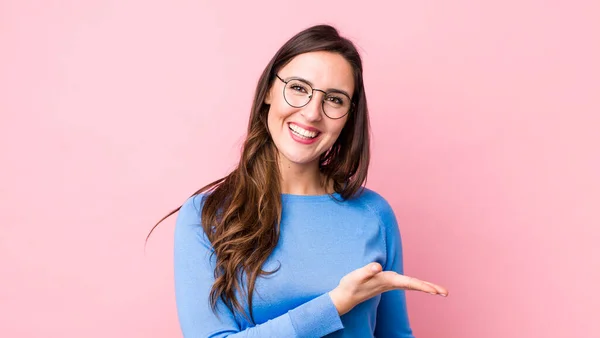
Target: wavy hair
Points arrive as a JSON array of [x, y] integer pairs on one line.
[[241, 212]]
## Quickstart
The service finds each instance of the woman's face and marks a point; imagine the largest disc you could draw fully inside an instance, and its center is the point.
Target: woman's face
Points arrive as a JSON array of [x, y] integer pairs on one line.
[[302, 134]]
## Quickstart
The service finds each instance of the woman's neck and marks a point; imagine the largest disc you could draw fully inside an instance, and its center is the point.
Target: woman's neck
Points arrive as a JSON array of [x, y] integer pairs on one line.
[[303, 180]]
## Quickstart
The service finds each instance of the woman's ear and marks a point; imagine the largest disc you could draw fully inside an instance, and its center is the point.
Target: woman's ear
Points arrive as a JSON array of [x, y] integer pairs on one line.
[[268, 97]]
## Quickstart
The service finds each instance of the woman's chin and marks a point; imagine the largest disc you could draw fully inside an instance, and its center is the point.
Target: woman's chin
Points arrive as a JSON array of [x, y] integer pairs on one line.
[[301, 160]]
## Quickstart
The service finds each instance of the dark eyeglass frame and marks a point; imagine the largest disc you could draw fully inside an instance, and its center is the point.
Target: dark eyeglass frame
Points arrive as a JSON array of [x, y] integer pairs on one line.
[[312, 94]]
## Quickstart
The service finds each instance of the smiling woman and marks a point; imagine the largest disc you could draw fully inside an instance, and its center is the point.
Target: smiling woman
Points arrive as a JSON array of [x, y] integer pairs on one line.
[[290, 243], [305, 122]]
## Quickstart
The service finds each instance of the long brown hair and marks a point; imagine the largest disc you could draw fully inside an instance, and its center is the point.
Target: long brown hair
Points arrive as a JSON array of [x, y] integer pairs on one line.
[[241, 212]]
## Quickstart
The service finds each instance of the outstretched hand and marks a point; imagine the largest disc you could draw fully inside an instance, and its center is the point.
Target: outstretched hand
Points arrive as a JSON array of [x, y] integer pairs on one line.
[[369, 281]]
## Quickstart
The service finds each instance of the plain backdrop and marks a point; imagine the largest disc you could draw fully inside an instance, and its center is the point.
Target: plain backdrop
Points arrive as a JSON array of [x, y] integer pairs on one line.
[[485, 119]]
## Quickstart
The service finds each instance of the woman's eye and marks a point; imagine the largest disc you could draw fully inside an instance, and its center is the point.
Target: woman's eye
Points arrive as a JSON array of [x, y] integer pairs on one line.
[[298, 88], [335, 99]]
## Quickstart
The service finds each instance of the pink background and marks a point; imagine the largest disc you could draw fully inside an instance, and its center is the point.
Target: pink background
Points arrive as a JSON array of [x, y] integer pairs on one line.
[[485, 119]]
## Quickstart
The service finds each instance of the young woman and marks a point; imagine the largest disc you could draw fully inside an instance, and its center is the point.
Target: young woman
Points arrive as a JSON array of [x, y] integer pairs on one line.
[[290, 243]]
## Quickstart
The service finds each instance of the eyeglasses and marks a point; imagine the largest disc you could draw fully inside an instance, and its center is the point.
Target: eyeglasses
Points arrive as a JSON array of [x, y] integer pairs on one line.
[[298, 93]]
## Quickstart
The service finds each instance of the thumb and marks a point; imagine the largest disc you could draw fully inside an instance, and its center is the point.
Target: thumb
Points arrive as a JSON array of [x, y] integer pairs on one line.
[[370, 270]]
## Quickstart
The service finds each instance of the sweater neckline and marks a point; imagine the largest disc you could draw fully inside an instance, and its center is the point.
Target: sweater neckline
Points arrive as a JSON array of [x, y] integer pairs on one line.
[[309, 198]]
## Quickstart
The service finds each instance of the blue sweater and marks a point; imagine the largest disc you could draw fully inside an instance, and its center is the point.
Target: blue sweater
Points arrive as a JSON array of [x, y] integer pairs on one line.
[[321, 240]]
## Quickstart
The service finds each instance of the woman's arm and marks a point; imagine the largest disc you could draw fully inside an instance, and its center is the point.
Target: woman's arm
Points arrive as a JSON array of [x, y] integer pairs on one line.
[[194, 276], [392, 315]]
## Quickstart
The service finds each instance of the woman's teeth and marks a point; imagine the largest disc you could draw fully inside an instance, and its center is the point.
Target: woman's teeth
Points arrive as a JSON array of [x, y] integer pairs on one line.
[[303, 132]]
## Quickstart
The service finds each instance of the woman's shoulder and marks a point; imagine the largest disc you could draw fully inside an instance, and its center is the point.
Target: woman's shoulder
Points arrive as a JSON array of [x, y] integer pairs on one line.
[[372, 199], [374, 203], [190, 212], [188, 226], [193, 204]]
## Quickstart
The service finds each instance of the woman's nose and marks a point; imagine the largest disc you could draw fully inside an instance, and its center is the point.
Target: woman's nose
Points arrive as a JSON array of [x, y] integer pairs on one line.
[[313, 110]]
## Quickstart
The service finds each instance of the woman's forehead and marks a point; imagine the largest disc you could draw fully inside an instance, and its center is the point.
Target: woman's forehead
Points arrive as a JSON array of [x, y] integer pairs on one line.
[[323, 69]]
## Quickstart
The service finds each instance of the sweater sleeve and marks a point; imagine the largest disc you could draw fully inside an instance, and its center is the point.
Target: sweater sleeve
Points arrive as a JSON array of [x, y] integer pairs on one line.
[[194, 277], [392, 315]]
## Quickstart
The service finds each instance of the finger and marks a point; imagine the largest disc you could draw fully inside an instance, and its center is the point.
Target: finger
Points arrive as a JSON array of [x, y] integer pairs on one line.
[[389, 280], [442, 291], [414, 284], [369, 270]]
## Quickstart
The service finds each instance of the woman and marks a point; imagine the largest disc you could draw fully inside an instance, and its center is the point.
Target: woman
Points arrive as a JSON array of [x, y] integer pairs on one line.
[[290, 243]]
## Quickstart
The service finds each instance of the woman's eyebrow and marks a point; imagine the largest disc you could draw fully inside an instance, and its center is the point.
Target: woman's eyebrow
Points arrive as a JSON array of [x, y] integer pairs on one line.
[[334, 90]]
